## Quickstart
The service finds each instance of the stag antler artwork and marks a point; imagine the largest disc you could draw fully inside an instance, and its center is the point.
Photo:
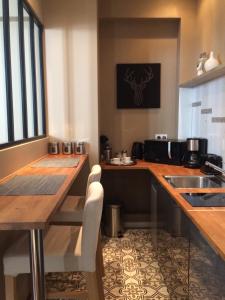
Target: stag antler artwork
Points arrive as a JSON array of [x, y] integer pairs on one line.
[[138, 87]]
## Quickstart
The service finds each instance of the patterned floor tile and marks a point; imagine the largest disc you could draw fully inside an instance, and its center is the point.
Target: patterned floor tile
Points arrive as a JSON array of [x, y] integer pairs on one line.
[[134, 270]]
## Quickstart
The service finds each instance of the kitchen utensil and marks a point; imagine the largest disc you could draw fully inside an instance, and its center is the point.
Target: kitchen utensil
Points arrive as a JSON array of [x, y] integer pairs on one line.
[[108, 153], [115, 160], [127, 160], [214, 159]]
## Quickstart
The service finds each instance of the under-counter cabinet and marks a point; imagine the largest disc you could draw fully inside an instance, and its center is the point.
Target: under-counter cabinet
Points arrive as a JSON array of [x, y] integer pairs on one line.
[[207, 269], [195, 265], [130, 189], [170, 239], [186, 260]]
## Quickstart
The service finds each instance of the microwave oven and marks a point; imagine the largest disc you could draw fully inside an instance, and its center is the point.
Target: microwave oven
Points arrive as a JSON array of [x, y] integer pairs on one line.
[[170, 151]]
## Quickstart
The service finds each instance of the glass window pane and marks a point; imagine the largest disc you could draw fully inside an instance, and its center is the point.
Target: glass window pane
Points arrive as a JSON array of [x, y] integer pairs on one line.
[[16, 71], [38, 79], [28, 70], [3, 107]]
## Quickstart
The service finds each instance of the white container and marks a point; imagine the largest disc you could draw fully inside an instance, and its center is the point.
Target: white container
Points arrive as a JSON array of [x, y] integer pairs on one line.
[[53, 148], [211, 63], [80, 148], [67, 148]]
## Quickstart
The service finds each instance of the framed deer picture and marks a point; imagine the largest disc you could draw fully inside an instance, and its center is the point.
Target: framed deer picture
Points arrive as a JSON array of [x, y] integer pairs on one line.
[[138, 85]]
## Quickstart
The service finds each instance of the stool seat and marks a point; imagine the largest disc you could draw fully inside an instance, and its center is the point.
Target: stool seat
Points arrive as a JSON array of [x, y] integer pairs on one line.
[[62, 248], [71, 210], [67, 248]]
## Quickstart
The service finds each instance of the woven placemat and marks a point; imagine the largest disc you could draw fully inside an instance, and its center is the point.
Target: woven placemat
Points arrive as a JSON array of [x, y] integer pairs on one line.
[[68, 162], [32, 185]]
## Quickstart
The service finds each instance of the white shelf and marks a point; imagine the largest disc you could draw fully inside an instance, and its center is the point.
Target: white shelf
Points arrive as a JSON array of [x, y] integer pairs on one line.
[[205, 77]]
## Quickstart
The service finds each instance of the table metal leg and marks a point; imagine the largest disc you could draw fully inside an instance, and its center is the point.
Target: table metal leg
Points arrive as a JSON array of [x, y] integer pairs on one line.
[[37, 264]]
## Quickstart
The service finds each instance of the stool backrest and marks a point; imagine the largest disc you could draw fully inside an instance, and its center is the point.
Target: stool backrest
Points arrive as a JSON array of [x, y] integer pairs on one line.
[[91, 224], [95, 175]]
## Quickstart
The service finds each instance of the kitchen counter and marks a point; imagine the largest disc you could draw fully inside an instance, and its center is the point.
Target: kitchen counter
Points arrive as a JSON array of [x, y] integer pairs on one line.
[[35, 211], [33, 214], [209, 220]]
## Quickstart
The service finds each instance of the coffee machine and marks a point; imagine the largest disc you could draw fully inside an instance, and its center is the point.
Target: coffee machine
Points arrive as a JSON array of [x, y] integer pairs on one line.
[[196, 148]]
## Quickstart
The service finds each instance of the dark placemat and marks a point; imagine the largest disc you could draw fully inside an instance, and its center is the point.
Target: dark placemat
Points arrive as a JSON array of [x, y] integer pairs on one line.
[[32, 185], [67, 162]]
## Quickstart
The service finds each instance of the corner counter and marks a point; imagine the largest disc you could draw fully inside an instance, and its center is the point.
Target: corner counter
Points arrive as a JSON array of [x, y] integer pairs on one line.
[[209, 220]]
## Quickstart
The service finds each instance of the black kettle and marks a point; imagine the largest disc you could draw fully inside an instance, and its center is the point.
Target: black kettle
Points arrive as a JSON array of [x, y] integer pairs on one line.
[[137, 150]]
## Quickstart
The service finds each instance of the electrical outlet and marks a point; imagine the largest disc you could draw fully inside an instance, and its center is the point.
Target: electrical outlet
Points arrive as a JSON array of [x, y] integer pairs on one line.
[[161, 136]]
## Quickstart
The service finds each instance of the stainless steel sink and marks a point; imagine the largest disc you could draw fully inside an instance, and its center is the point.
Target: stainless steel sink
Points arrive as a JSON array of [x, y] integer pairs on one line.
[[195, 181]]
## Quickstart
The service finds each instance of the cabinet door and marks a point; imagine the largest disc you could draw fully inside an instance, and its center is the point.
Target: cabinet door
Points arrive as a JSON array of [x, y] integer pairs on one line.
[[154, 214], [207, 269], [171, 250]]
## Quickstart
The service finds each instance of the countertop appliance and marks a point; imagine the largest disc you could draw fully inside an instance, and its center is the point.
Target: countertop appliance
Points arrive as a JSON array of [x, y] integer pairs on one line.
[[137, 150], [214, 159], [205, 199], [170, 151], [196, 148]]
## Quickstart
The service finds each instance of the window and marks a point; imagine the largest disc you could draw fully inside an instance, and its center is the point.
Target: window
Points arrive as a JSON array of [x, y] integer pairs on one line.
[[22, 105]]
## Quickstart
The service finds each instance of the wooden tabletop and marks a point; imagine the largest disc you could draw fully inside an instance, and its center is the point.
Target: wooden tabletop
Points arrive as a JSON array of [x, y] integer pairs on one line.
[[209, 220], [35, 211]]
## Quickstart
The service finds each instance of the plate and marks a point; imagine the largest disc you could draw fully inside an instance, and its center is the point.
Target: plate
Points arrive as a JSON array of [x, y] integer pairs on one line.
[[131, 163]]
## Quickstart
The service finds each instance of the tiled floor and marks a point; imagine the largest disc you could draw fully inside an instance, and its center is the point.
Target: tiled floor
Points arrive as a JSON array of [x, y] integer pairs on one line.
[[134, 270]]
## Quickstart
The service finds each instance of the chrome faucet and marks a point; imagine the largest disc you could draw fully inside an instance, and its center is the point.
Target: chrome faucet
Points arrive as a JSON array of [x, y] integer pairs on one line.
[[207, 163]]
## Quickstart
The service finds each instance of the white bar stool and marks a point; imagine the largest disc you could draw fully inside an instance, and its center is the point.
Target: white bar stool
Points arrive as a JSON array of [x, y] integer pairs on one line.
[[70, 213], [67, 249]]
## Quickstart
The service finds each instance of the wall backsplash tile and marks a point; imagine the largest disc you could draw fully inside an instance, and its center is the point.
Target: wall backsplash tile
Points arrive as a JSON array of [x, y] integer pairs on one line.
[[218, 119], [206, 120], [196, 104], [206, 111]]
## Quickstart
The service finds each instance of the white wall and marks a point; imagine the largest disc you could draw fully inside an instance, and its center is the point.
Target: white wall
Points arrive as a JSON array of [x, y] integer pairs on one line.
[[193, 122], [71, 67]]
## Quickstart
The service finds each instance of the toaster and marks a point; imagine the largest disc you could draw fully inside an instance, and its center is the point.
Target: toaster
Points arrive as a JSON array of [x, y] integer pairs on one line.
[[214, 159]]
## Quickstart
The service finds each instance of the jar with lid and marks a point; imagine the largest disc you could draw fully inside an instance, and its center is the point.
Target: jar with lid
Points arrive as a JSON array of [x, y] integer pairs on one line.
[[80, 148], [108, 153]]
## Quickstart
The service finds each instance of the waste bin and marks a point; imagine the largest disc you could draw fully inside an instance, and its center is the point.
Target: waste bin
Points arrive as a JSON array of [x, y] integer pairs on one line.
[[113, 223]]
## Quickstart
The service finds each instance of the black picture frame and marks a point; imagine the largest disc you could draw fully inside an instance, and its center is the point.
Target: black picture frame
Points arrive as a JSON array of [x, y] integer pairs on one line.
[[138, 85]]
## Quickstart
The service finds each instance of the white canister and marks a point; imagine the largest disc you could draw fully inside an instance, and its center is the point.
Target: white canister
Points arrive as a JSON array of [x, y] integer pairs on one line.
[[53, 148], [67, 148], [80, 149], [211, 62]]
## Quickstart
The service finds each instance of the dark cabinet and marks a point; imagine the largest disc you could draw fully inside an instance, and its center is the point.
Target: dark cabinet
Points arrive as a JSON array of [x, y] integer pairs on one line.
[[130, 189], [185, 258], [207, 269], [170, 241]]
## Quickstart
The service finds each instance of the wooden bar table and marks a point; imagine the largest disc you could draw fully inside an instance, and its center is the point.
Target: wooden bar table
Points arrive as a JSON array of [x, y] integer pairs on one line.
[[33, 213]]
